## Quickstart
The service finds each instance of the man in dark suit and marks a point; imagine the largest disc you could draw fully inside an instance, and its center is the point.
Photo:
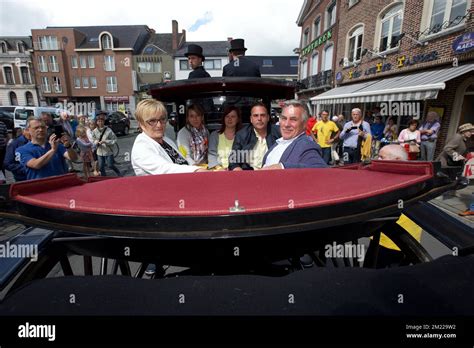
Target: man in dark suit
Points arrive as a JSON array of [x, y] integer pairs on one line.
[[239, 65], [294, 149], [195, 59]]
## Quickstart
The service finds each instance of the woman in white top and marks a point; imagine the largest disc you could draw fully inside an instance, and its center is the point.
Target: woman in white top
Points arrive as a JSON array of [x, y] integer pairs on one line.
[[221, 141], [152, 152], [410, 134], [193, 139]]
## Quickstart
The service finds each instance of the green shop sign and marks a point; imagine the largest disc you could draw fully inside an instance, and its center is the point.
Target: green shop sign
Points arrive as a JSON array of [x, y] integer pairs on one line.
[[317, 42]]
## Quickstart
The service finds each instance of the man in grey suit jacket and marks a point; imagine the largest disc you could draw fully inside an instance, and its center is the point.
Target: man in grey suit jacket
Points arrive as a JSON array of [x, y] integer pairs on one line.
[[294, 149]]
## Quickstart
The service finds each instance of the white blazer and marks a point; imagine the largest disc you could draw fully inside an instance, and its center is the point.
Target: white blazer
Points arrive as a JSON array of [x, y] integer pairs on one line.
[[148, 158]]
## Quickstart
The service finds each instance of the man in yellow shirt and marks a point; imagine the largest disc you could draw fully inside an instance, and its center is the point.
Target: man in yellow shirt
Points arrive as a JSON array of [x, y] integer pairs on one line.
[[327, 132]]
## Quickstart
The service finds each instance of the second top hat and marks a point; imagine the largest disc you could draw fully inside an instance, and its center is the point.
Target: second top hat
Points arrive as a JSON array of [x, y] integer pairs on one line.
[[237, 45], [195, 50]]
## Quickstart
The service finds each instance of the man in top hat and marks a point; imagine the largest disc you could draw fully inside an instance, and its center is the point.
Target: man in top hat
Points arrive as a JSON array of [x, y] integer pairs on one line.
[[195, 59], [239, 65]]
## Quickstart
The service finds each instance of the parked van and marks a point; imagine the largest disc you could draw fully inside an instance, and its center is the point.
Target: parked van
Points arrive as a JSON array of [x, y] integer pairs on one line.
[[23, 112]]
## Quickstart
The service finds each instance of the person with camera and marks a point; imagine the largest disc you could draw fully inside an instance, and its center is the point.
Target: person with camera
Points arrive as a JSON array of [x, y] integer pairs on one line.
[[456, 149], [353, 133], [42, 156]]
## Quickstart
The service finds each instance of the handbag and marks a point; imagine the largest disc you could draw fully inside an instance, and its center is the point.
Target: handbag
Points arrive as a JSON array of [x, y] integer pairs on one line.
[[414, 148]]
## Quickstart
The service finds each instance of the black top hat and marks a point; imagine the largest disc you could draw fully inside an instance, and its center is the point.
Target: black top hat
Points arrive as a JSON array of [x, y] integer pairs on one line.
[[195, 50], [237, 45]]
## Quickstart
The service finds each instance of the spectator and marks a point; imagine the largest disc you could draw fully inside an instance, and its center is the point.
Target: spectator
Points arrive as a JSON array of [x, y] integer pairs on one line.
[[85, 145], [327, 132], [456, 148], [104, 138], [410, 139], [193, 138], [3, 144], [252, 142], [353, 134], [221, 141], [12, 162], [309, 126], [49, 122], [43, 158], [377, 129], [390, 131], [294, 149], [429, 134], [89, 131]]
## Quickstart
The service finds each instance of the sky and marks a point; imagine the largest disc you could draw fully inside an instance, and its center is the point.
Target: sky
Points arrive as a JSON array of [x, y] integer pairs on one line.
[[268, 26]]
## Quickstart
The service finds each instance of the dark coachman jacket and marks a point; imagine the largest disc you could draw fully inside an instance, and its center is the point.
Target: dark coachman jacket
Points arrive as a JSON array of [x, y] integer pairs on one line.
[[198, 73], [241, 67]]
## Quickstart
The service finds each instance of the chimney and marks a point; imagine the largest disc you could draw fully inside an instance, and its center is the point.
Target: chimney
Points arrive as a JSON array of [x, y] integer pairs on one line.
[[183, 37], [174, 34]]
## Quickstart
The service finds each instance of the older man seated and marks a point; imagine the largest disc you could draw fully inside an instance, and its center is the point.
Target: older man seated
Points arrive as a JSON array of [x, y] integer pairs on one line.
[[152, 152], [294, 149]]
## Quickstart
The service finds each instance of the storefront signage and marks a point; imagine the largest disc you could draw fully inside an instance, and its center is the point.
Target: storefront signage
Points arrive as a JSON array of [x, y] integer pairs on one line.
[[317, 42], [402, 61], [464, 43], [116, 99]]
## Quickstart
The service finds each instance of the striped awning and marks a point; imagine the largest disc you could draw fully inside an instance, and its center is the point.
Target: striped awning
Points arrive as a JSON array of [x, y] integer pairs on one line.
[[417, 86]]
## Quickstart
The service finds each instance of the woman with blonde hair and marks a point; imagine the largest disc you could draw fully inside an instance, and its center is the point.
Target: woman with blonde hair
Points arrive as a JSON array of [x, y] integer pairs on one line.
[[153, 152], [85, 145], [193, 138]]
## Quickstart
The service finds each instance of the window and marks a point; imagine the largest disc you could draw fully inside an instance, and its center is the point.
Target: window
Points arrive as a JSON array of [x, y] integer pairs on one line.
[[327, 58], [109, 63], [304, 69], [93, 82], [106, 42], [77, 82], [85, 82], [317, 27], [331, 15], [53, 64], [111, 84], [13, 98], [21, 47], [29, 99], [355, 44], [183, 65], [83, 61], [74, 62], [91, 61], [25, 75], [306, 38], [48, 43], [45, 84], [150, 50], [446, 14], [43, 67], [391, 28], [8, 75], [314, 64], [149, 67], [352, 3], [267, 62], [212, 64], [57, 85], [3, 47], [294, 63]]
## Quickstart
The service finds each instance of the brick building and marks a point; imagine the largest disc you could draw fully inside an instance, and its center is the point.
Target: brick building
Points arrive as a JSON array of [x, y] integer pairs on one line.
[[88, 64], [318, 20], [416, 53], [17, 83]]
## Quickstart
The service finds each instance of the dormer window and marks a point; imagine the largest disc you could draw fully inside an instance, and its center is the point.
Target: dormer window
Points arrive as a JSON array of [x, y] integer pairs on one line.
[[106, 42], [21, 47], [3, 47]]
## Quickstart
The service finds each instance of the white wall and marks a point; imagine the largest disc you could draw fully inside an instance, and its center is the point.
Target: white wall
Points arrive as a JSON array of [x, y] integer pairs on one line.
[[183, 74]]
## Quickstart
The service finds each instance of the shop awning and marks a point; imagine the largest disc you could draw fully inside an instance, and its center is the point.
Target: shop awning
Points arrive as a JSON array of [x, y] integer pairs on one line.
[[416, 86]]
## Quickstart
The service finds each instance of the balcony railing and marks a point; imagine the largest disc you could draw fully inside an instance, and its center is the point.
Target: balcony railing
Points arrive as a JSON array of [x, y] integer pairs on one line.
[[321, 80], [43, 67]]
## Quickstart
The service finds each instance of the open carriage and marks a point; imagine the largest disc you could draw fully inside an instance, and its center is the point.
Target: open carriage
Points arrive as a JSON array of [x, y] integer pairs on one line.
[[235, 241]]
